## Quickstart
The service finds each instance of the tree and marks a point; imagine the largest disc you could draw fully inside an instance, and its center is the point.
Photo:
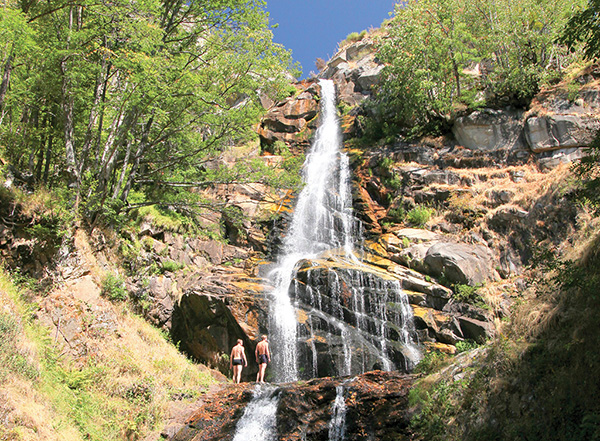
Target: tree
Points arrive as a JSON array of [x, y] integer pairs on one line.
[[584, 27], [445, 56], [122, 96]]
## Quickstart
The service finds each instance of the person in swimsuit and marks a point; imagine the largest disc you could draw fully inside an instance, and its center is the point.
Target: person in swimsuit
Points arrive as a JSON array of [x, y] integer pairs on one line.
[[237, 360], [263, 356]]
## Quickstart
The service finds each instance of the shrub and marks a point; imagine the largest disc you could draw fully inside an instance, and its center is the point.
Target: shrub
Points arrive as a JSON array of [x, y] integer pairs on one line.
[[432, 362], [386, 163], [468, 294], [466, 345], [113, 288], [171, 266], [419, 216], [397, 214]]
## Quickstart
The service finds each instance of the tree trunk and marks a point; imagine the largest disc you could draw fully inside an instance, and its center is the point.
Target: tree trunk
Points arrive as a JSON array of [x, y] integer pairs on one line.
[[95, 115], [136, 160], [67, 107], [5, 79]]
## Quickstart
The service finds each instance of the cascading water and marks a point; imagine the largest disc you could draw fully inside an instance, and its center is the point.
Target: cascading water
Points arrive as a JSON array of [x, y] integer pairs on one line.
[[353, 320], [337, 424], [259, 421]]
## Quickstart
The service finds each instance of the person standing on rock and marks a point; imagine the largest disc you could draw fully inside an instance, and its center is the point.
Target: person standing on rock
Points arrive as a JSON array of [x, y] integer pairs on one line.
[[263, 356], [237, 361]]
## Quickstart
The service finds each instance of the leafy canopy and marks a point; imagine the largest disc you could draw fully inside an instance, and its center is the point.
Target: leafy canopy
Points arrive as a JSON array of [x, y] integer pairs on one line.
[[445, 56], [111, 97]]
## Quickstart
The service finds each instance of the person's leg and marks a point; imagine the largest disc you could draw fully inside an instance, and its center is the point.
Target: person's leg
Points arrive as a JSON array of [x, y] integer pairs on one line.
[[237, 371], [261, 370]]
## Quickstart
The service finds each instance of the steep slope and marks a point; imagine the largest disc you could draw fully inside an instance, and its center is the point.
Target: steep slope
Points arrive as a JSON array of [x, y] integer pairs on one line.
[[74, 363]]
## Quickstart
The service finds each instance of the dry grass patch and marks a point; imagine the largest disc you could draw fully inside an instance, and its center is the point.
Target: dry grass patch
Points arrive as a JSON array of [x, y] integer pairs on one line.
[[121, 389]]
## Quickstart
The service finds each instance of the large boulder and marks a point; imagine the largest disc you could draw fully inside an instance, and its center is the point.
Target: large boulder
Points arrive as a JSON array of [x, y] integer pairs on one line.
[[553, 132], [490, 130], [206, 329], [461, 263]]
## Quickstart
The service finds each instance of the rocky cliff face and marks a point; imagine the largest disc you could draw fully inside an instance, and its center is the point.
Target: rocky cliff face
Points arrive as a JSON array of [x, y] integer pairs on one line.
[[491, 187], [495, 191]]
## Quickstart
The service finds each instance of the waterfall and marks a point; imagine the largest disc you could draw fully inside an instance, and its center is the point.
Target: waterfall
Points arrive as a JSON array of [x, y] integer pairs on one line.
[[259, 421], [337, 424], [350, 313], [323, 209]]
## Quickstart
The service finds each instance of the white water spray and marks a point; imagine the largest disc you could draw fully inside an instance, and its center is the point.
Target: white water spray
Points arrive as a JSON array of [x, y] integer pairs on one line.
[[259, 421], [322, 220], [337, 424], [352, 312]]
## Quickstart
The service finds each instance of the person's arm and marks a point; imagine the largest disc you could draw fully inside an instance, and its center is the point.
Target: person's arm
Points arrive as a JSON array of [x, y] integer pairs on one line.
[[268, 353], [256, 353], [244, 357], [231, 360]]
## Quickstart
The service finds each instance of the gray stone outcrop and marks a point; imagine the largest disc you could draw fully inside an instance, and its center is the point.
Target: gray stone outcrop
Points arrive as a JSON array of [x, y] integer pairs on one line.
[[460, 263], [490, 130], [556, 131], [551, 132]]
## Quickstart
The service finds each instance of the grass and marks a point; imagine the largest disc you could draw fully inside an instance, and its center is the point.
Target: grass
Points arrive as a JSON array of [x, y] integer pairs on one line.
[[120, 389], [538, 378]]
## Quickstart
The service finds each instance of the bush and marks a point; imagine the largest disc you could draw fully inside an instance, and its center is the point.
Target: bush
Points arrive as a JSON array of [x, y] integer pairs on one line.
[[171, 266], [113, 288], [466, 345], [397, 214], [419, 216], [468, 294], [432, 362]]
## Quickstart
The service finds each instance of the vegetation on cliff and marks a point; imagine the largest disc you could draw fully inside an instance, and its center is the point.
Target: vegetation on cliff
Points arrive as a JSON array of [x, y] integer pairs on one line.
[[121, 388], [121, 112], [538, 378], [444, 56]]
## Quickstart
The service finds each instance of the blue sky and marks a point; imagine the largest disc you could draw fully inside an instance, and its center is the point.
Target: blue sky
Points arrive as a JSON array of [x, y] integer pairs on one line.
[[313, 28]]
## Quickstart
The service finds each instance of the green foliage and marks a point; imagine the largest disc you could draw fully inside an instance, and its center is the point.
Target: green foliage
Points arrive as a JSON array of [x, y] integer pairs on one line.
[[582, 28], [113, 288], [116, 100], [436, 409], [468, 294], [466, 345], [432, 362], [393, 182], [419, 215], [353, 37], [12, 360], [444, 56], [386, 163], [397, 214], [171, 266], [587, 169]]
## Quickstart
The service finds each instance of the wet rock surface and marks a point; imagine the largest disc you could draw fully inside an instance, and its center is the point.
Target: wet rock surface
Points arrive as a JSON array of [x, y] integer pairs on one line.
[[376, 408]]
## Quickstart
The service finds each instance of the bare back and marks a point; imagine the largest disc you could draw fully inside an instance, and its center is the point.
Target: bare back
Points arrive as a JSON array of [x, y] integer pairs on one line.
[[262, 348], [238, 352]]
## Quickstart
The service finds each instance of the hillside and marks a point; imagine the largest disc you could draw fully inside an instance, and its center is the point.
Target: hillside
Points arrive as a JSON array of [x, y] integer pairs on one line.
[[121, 298]]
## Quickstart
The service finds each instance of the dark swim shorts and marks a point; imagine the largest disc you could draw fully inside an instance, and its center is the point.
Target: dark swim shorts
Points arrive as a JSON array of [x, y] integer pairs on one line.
[[237, 361], [262, 358]]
